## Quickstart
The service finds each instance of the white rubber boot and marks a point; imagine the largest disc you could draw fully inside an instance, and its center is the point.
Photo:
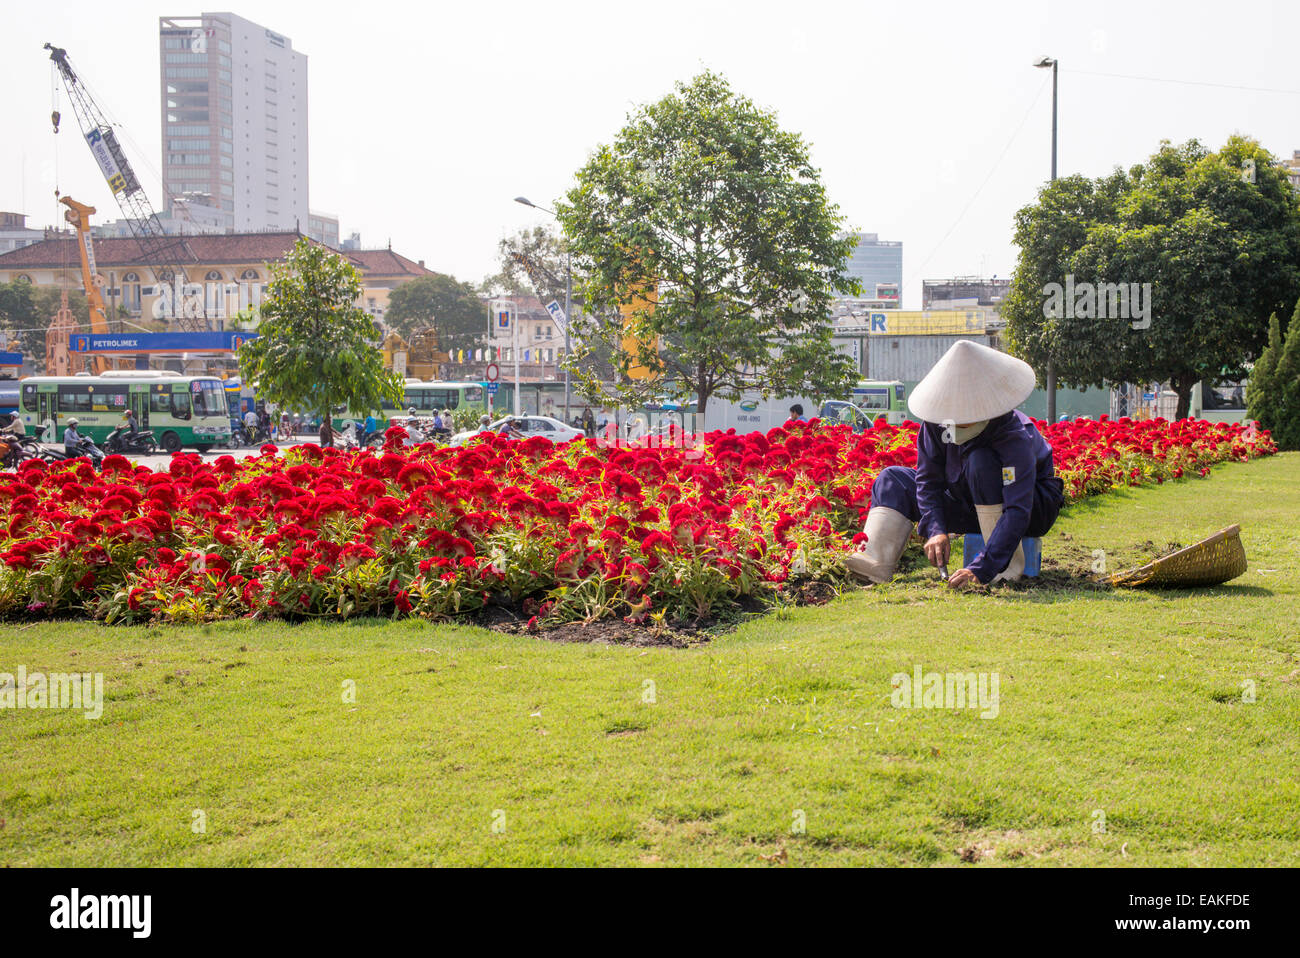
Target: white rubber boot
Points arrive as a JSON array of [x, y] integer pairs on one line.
[[989, 516], [887, 534]]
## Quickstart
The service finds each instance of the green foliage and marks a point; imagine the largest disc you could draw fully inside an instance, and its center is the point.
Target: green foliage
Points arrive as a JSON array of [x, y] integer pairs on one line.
[[315, 347], [26, 312], [452, 308], [1221, 253], [546, 249], [1261, 392], [705, 204], [465, 417], [1273, 393]]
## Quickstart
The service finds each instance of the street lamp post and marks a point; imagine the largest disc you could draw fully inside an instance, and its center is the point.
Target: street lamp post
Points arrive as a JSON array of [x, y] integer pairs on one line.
[[568, 305], [1043, 63]]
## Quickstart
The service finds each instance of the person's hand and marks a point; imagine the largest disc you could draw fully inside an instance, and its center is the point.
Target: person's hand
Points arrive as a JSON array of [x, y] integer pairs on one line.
[[937, 549], [962, 577]]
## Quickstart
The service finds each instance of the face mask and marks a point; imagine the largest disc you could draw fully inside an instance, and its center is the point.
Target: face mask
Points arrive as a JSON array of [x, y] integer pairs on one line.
[[961, 434]]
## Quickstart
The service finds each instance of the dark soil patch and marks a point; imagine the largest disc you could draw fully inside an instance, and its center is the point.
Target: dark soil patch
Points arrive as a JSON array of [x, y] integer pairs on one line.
[[501, 616]]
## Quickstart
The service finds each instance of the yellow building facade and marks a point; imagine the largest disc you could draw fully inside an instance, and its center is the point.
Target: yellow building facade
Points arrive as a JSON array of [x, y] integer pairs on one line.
[[226, 274]]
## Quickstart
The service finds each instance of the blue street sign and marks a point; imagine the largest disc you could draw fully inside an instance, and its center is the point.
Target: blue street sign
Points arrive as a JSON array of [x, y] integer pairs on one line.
[[492, 388], [219, 341]]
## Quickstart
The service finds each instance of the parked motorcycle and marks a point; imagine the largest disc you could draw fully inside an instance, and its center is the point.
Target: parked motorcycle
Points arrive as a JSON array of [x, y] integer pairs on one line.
[[13, 452], [122, 442], [84, 448], [346, 438], [30, 447]]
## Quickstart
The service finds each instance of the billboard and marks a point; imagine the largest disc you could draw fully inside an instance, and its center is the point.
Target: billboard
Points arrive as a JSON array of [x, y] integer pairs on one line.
[[221, 341], [887, 292], [107, 163]]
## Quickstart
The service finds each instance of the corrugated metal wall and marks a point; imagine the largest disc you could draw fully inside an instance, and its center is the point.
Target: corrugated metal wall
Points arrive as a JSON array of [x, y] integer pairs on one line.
[[909, 358]]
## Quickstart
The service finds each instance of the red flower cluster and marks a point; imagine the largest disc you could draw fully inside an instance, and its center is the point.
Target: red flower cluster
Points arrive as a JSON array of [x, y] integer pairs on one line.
[[570, 533], [1094, 456]]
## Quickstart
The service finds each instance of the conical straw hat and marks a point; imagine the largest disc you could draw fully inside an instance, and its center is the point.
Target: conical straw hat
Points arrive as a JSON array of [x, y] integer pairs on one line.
[[971, 383]]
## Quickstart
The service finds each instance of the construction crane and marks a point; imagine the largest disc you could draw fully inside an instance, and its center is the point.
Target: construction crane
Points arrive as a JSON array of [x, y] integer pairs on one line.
[[78, 214], [164, 254]]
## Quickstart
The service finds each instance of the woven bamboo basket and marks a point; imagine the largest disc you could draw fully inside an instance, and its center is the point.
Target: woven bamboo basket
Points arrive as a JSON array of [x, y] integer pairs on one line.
[[1209, 562]]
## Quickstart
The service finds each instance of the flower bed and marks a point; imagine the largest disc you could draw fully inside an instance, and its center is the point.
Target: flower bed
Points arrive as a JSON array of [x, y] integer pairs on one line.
[[572, 533]]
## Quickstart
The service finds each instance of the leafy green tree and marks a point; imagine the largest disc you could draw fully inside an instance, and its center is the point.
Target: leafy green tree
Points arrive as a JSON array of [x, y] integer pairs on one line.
[[546, 249], [26, 312], [1273, 392], [315, 348], [704, 205], [1219, 251], [453, 309], [1261, 391]]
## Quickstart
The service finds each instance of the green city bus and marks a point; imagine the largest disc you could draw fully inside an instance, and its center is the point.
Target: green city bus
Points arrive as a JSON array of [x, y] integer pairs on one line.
[[427, 397], [179, 410], [880, 398]]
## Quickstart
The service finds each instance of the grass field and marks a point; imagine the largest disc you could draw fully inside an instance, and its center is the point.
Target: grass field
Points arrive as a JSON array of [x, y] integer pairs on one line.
[[1122, 733]]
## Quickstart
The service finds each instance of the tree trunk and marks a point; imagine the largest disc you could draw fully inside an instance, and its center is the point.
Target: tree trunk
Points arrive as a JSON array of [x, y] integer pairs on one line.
[[702, 394], [1182, 385], [326, 429]]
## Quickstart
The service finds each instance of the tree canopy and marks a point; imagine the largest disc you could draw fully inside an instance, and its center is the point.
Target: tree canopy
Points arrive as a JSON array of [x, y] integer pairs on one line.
[[707, 223], [26, 312], [315, 348], [546, 249], [451, 308], [1273, 393], [1217, 237]]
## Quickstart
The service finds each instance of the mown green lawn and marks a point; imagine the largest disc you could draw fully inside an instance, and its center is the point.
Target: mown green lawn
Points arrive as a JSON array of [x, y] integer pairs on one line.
[[1121, 736]]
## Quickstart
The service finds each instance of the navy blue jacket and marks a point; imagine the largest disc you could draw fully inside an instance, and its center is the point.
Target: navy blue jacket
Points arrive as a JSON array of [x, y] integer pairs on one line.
[[1016, 441]]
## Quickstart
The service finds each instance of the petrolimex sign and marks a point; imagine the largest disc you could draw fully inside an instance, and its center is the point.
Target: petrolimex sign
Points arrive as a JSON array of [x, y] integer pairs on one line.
[[217, 341]]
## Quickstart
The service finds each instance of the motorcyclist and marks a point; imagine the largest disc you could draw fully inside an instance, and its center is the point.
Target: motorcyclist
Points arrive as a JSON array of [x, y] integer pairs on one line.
[[10, 434], [14, 427], [251, 422], [370, 428], [415, 435], [72, 441], [132, 424]]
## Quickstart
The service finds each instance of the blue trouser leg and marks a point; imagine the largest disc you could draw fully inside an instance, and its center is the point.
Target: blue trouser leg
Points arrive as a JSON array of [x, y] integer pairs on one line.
[[982, 474], [895, 488]]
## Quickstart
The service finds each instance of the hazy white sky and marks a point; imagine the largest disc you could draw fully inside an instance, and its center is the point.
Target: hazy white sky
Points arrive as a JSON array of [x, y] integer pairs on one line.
[[927, 119]]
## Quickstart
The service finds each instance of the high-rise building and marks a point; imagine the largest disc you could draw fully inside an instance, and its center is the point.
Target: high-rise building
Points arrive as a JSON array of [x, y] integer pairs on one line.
[[878, 266], [234, 122]]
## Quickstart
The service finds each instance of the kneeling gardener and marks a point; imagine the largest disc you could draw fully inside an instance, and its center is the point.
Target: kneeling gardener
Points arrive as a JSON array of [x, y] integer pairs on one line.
[[981, 466]]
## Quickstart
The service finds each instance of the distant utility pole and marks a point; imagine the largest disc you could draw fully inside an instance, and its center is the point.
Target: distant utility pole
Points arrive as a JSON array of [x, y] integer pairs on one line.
[[1050, 377]]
